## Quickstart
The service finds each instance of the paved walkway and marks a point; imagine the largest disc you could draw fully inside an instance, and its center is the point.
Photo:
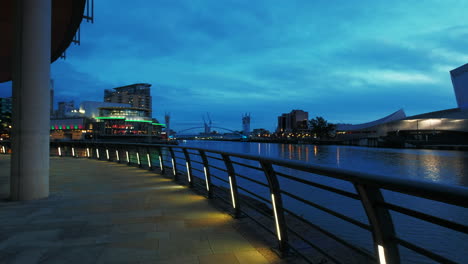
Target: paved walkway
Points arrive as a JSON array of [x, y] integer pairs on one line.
[[104, 212]]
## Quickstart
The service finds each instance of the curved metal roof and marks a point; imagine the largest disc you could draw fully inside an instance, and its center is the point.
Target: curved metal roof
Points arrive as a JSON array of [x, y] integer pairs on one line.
[[66, 19], [398, 115]]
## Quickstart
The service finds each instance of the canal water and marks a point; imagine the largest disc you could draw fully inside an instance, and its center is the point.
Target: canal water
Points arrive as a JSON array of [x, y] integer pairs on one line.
[[444, 167]]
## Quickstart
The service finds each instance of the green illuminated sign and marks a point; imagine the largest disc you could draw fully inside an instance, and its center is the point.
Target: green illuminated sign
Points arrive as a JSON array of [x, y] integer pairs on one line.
[[159, 124], [109, 117], [143, 121]]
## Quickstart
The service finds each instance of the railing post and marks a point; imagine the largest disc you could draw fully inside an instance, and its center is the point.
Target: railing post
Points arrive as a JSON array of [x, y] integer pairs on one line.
[[232, 185], [188, 164], [88, 153], [107, 154], [277, 204], [117, 154], [138, 157], [161, 161], [127, 156], [381, 223], [97, 153], [59, 151], [73, 151], [148, 158], [206, 169], [173, 160]]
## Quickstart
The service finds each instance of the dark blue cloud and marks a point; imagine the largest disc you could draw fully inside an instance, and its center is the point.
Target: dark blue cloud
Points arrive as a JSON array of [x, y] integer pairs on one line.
[[347, 61]]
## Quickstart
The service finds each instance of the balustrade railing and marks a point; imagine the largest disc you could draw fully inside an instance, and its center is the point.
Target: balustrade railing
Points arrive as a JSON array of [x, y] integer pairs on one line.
[[264, 198]]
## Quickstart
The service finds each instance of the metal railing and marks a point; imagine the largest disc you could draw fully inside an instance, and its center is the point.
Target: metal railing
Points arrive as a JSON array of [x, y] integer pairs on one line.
[[219, 172]]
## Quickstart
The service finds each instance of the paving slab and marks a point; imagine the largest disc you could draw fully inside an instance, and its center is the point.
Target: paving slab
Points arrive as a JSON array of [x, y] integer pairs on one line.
[[105, 212]]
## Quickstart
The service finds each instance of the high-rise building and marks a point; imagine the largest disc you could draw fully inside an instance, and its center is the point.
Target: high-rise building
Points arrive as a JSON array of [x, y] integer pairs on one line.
[[296, 120], [246, 124], [137, 95]]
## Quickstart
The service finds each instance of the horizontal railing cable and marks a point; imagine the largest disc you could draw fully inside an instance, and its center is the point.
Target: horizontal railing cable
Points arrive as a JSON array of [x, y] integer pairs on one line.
[[321, 186], [216, 167], [219, 178], [428, 218], [252, 180], [423, 251], [216, 158], [254, 194], [329, 211], [246, 165]]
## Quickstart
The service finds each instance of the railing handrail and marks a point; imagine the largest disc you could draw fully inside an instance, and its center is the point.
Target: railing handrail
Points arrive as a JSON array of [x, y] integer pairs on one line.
[[441, 192], [367, 189]]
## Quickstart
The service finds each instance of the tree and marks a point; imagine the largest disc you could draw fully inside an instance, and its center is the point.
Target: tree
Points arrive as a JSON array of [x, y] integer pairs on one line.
[[321, 128]]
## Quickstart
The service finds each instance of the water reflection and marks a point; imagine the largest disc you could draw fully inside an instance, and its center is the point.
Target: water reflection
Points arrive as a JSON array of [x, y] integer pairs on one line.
[[431, 165], [450, 167], [338, 156]]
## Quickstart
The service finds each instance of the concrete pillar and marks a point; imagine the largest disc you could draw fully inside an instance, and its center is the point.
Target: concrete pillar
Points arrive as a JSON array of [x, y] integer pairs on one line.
[[31, 100]]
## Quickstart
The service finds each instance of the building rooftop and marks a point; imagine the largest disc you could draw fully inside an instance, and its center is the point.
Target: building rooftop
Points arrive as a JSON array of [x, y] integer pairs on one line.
[[453, 113], [460, 70], [398, 115]]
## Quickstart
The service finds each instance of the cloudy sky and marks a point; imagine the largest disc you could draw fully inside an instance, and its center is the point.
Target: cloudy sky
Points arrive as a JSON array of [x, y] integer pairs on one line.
[[348, 61]]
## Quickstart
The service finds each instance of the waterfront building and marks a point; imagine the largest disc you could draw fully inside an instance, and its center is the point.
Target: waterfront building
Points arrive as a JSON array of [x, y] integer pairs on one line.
[[295, 121], [71, 128], [126, 121], [260, 132], [5, 117], [137, 95], [91, 108], [438, 128]]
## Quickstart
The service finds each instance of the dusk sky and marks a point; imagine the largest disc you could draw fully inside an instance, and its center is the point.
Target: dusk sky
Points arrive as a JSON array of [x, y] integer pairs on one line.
[[348, 61]]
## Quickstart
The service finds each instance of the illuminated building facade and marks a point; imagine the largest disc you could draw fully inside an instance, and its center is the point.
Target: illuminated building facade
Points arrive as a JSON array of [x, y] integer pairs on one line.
[[126, 121], [5, 117], [137, 95], [442, 128]]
